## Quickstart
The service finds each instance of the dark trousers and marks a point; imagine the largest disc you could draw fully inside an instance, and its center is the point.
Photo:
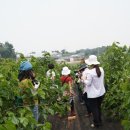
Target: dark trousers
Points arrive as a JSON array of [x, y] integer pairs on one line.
[[95, 106], [86, 102], [80, 96], [80, 93], [72, 106]]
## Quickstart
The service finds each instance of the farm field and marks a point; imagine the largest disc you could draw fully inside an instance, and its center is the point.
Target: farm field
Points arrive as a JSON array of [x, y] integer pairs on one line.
[[81, 122], [116, 110]]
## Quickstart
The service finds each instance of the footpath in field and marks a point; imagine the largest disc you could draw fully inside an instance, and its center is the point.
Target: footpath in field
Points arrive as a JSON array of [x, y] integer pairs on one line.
[[81, 122]]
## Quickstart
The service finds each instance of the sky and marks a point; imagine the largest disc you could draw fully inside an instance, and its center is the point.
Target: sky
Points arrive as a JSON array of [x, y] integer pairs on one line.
[[38, 25]]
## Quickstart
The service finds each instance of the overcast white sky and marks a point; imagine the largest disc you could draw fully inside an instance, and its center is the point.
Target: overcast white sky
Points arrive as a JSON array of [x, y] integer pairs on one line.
[[37, 25]]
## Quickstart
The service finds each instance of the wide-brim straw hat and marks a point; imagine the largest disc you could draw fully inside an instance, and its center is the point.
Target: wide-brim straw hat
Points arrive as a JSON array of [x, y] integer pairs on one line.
[[65, 71], [92, 60]]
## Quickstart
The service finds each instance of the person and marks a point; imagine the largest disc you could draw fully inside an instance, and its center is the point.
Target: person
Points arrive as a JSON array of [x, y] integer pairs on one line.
[[51, 73], [95, 88], [27, 86], [83, 70], [78, 86], [66, 78]]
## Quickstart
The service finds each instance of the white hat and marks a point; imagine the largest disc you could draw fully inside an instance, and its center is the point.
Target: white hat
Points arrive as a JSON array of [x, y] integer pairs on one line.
[[65, 71], [92, 60]]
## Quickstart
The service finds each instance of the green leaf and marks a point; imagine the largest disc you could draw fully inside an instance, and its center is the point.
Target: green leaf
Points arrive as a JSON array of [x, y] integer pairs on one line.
[[47, 126], [24, 121], [51, 111], [1, 76], [1, 102], [126, 124], [9, 126], [41, 93], [2, 127], [15, 120]]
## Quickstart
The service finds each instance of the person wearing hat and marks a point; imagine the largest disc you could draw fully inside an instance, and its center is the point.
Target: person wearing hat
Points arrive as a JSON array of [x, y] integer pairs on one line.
[[94, 84], [27, 86], [80, 85], [83, 70], [66, 78]]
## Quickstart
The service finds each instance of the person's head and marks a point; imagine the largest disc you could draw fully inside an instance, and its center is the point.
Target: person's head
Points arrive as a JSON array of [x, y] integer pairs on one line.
[[82, 67], [26, 71], [82, 61], [92, 60], [26, 74], [65, 71], [51, 66], [94, 63]]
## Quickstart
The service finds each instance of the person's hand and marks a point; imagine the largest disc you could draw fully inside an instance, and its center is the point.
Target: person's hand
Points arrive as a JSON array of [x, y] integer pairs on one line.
[[36, 85], [72, 93], [82, 79]]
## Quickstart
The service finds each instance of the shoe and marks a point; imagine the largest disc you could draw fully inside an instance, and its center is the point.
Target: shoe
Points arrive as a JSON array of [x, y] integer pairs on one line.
[[92, 125], [82, 103], [71, 117], [72, 114]]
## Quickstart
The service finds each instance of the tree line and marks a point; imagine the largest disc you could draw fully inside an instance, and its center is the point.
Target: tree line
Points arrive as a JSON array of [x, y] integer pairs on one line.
[[7, 50]]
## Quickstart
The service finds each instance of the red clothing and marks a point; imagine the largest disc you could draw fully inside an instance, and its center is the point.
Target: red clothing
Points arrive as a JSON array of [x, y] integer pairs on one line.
[[69, 92], [66, 79]]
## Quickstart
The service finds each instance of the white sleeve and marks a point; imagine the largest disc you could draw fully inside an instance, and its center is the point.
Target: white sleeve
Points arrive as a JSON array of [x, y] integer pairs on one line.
[[84, 75], [48, 73], [53, 73], [88, 80]]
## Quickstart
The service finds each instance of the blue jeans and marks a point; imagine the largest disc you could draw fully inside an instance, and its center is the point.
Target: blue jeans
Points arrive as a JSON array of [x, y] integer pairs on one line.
[[36, 112]]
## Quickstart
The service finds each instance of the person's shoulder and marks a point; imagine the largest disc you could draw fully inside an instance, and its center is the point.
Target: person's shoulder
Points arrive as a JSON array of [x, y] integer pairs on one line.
[[91, 71], [62, 77], [48, 73], [86, 70], [101, 68], [53, 71], [70, 77]]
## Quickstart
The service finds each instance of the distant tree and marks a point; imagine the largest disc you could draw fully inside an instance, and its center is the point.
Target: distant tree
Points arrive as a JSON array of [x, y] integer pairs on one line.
[[56, 51], [7, 50], [33, 52], [43, 52], [64, 52]]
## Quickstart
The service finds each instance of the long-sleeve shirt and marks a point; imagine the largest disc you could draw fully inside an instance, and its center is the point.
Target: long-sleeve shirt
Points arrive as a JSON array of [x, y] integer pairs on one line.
[[26, 88], [94, 85]]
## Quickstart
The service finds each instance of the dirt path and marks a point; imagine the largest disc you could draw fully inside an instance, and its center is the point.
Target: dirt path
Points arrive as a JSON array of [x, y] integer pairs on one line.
[[81, 122]]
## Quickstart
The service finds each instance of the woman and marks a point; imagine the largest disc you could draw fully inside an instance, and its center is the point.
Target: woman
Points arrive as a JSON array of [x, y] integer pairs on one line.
[[95, 88], [66, 78], [28, 86], [83, 70]]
